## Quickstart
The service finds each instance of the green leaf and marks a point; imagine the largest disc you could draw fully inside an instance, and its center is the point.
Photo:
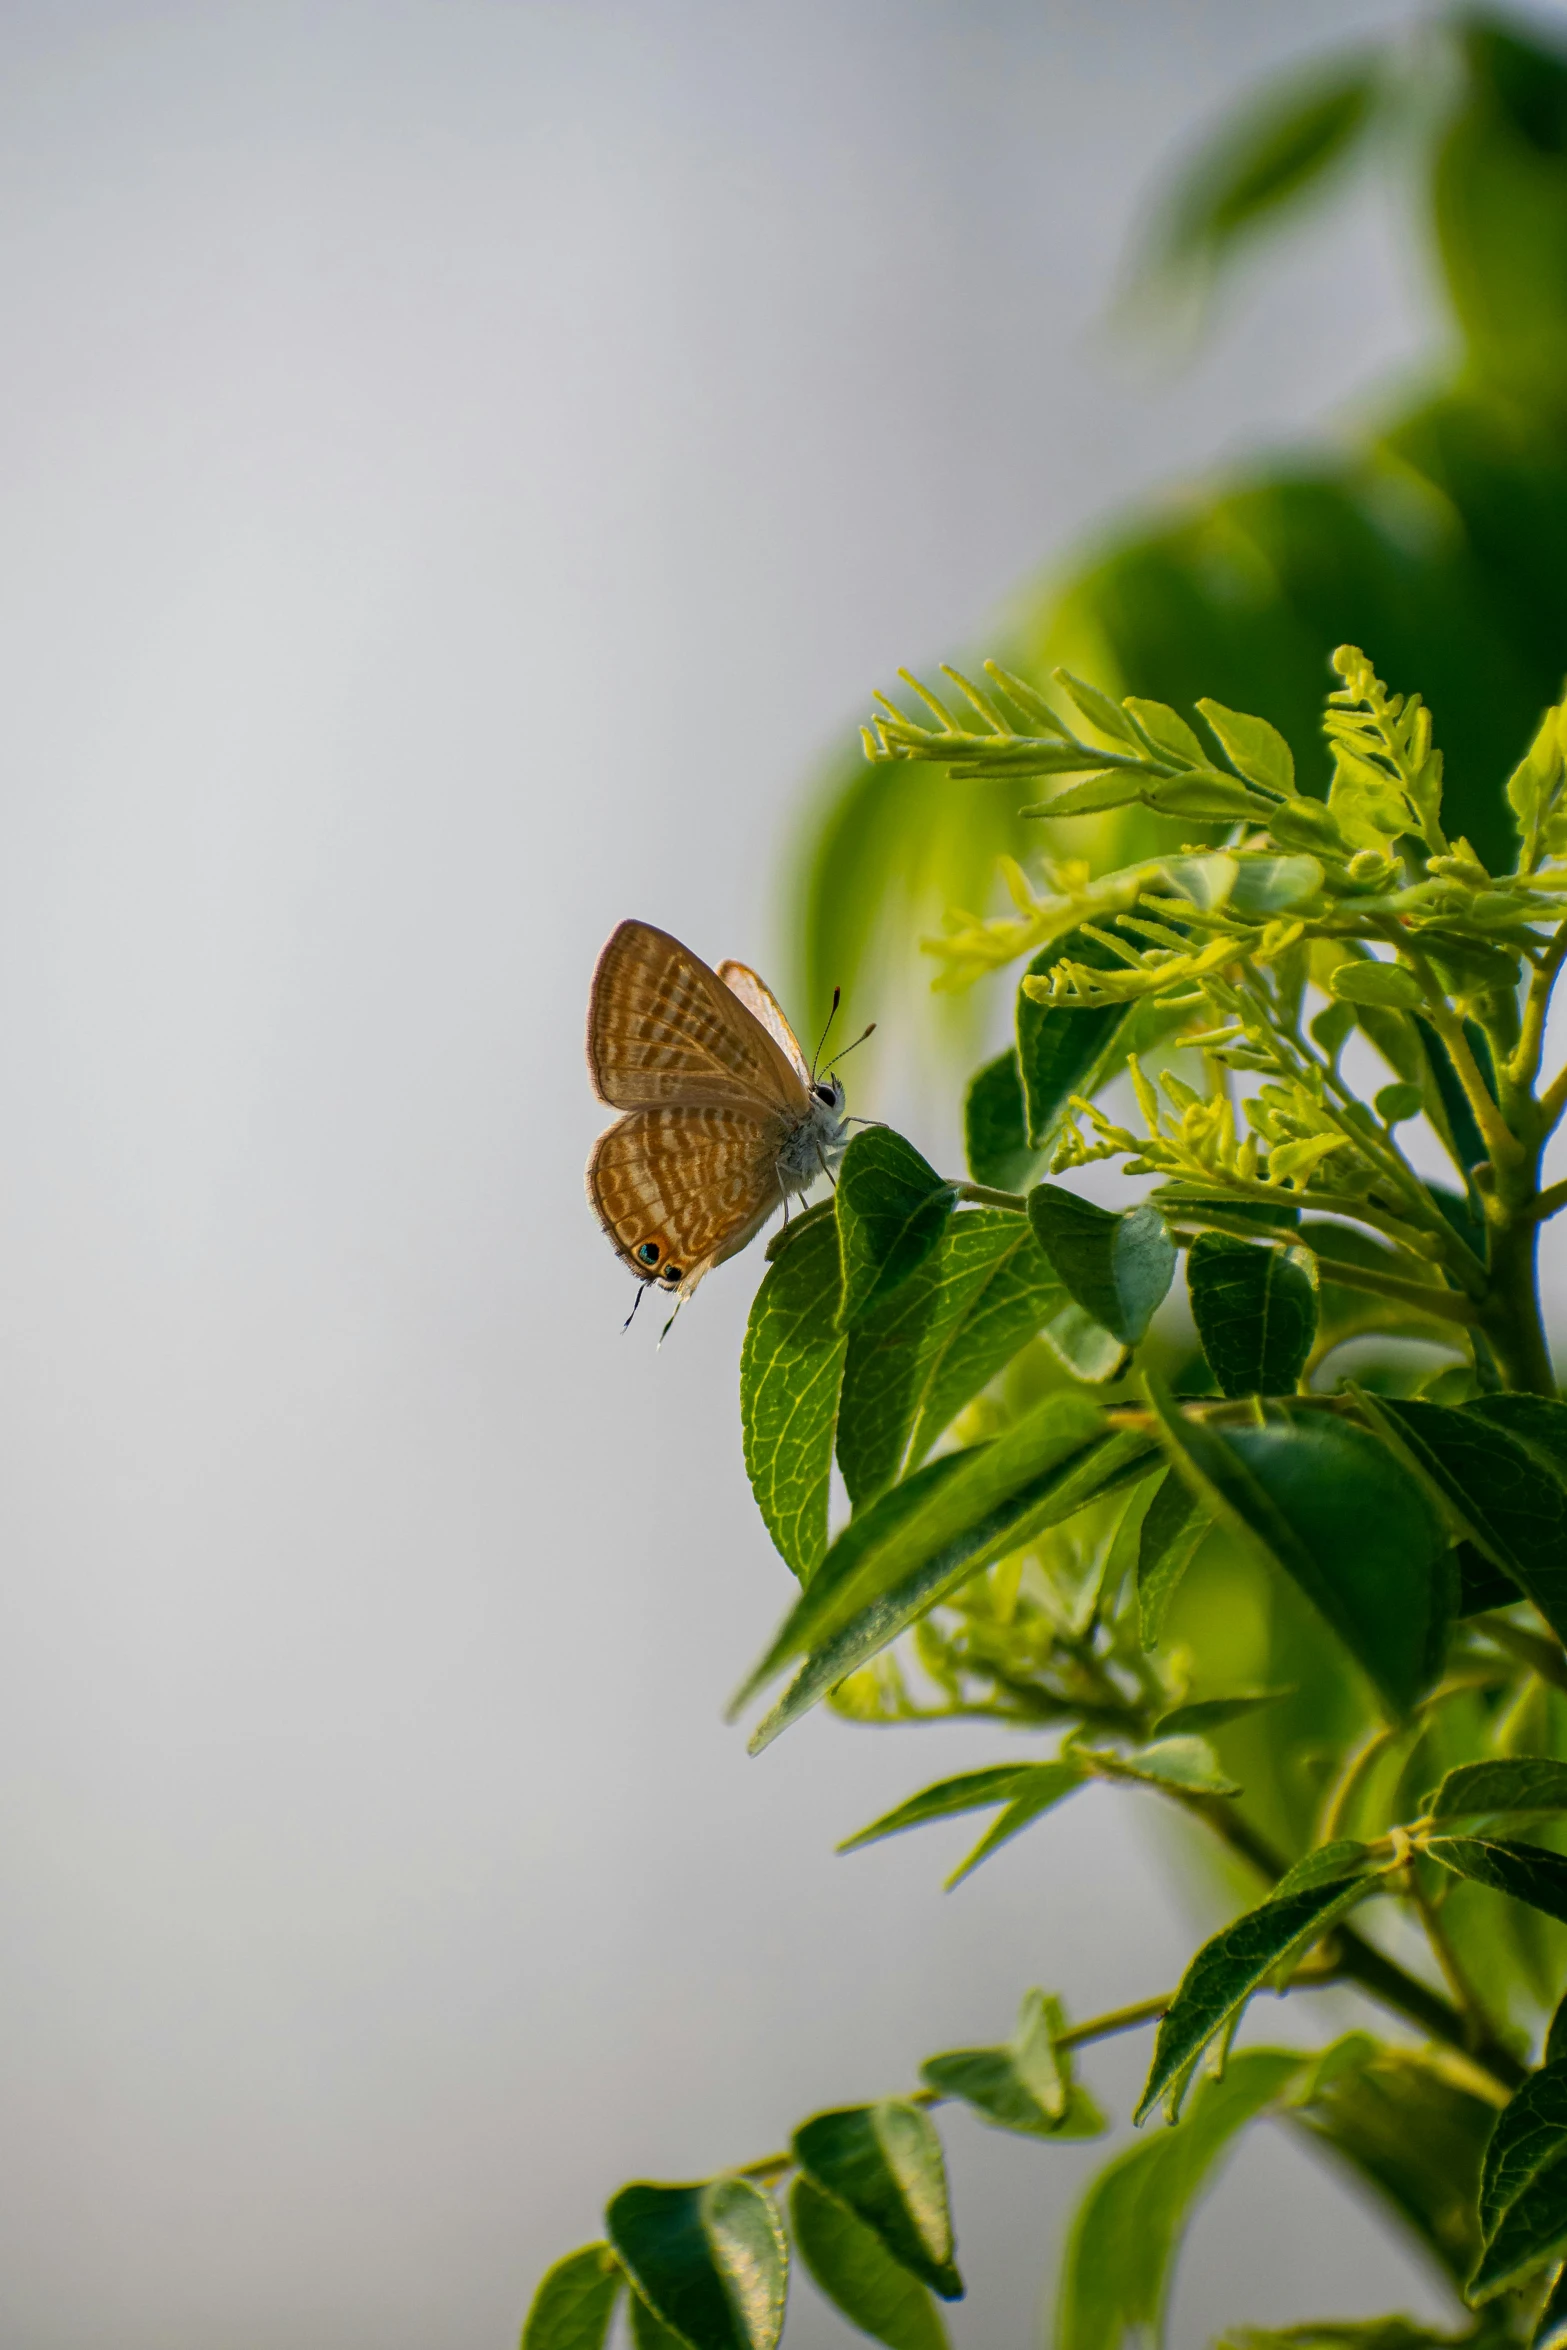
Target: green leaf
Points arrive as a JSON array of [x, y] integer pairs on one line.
[[980, 1296], [1256, 1312], [1523, 2187], [1104, 1469], [1253, 747], [883, 2162], [649, 2332], [1514, 1783], [1117, 1268], [1378, 984], [1534, 1421], [1512, 1508], [790, 1368], [1122, 2249], [995, 1126], [1098, 709], [1025, 2086], [1216, 1713], [1340, 1515], [1083, 1346], [1181, 1761], [859, 2277], [892, 1210], [1234, 1964], [947, 1799], [1167, 730], [1527, 1871], [1172, 1528], [958, 1505], [1058, 1049], [1040, 1791], [710, 2260], [1413, 2133], [1327, 1864], [1550, 2327], [575, 2302], [1273, 885]]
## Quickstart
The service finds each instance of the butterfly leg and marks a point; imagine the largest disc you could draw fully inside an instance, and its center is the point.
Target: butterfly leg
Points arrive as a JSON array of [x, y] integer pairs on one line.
[[826, 1170]]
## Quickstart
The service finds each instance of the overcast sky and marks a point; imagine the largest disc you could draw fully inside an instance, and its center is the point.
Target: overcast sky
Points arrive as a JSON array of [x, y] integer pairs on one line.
[[461, 464]]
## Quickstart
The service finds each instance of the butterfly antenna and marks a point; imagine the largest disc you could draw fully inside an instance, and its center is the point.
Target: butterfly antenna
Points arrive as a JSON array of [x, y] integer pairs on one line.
[[848, 1049], [636, 1301], [837, 998]]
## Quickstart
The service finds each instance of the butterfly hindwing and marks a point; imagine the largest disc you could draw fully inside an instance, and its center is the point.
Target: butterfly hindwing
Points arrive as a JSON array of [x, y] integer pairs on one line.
[[691, 1183], [664, 1029]]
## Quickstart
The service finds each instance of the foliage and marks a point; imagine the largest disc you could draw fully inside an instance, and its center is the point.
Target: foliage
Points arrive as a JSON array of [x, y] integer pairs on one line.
[[1057, 1522], [1426, 527]]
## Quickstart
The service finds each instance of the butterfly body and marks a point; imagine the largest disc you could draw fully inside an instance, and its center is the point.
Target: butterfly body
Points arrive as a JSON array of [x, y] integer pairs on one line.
[[722, 1119]]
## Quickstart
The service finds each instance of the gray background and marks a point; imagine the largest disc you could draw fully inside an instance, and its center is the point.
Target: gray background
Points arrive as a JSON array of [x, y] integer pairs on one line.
[[460, 464]]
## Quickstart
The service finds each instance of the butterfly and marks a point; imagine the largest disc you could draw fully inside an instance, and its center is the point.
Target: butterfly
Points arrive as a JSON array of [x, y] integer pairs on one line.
[[724, 1117]]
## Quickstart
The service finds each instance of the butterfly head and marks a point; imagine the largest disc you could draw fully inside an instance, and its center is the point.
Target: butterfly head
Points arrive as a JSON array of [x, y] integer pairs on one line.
[[827, 1096]]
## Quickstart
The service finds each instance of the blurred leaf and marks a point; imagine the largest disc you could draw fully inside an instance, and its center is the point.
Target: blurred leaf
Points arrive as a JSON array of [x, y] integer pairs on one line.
[[883, 2162], [1256, 1312], [1180, 1761], [1281, 143], [1117, 1268], [995, 1126], [1083, 1346], [1512, 1508], [575, 2302], [892, 1210], [1417, 2136], [790, 1367], [1523, 2188], [1216, 1713], [1340, 1515], [649, 2332], [1058, 1050], [1534, 1421], [947, 1799], [980, 1296], [1039, 1792], [859, 2277], [1501, 206], [1513, 1783], [1230, 1967], [1122, 2250], [1027, 2085], [1173, 1526], [710, 2260], [1550, 2329], [1526, 1871]]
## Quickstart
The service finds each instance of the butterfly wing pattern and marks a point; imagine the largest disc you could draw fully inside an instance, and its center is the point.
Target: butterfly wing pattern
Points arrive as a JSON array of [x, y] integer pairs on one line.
[[721, 1119]]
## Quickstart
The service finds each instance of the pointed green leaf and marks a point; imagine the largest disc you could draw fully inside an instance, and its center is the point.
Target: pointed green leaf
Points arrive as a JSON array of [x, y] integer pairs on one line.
[[1040, 1791], [1172, 1528], [1253, 747], [947, 1799], [860, 2277], [1328, 1864], [1255, 1308], [1216, 1713], [1118, 1268], [980, 1296], [892, 1210], [1523, 2187], [1025, 2086], [1340, 1515], [1121, 788], [883, 2162], [575, 2302], [1098, 708], [956, 1506], [995, 1126], [1057, 1048], [1183, 1761], [790, 1368], [1093, 1475], [1510, 1783], [1512, 1507], [1121, 2254], [1167, 730], [1234, 1964], [710, 2260], [1527, 1871]]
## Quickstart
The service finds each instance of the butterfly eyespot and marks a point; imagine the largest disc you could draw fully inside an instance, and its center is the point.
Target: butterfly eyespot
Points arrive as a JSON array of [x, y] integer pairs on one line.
[[648, 1252], [671, 1275]]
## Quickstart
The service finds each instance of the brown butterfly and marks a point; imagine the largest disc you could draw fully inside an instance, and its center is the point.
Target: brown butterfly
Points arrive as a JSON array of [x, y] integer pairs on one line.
[[724, 1118]]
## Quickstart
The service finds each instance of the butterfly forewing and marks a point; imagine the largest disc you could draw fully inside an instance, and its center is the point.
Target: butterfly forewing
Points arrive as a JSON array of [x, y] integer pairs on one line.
[[759, 999], [664, 1029], [690, 1184]]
